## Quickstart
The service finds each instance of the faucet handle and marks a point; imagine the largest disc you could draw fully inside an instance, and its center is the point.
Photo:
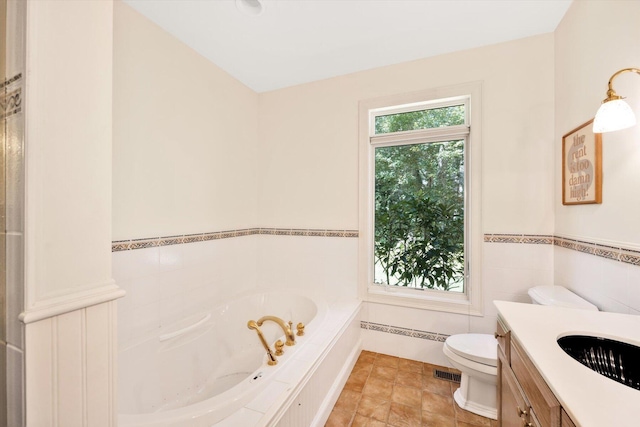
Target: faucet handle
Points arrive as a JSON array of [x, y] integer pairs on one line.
[[300, 328], [279, 348]]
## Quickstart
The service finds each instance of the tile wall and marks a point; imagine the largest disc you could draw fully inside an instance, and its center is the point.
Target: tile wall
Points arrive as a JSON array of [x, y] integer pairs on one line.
[[509, 270], [166, 284], [174, 281], [326, 263], [611, 284]]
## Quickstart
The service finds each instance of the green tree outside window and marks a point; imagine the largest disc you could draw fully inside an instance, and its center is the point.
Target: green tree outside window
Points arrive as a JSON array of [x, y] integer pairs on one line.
[[419, 204]]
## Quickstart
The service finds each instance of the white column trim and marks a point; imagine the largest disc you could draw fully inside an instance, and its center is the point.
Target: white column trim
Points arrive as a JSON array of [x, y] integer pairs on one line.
[[58, 305]]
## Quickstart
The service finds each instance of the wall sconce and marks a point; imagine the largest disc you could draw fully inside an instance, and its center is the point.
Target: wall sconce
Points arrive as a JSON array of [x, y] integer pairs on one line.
[[614, 113]]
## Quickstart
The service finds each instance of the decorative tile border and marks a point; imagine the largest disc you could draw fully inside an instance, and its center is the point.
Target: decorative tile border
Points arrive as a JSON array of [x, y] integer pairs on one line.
[[127, 245], [621, 254], [630, 257], [397, 330], [539, 239], [617, 253], [11, 99]]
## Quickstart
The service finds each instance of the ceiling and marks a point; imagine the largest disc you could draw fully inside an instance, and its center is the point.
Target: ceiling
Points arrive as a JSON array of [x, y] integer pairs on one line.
[[298, 41]]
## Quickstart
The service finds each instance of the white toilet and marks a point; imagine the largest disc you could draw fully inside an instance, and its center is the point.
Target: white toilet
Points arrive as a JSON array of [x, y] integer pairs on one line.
[[475, 355], [558, 296]]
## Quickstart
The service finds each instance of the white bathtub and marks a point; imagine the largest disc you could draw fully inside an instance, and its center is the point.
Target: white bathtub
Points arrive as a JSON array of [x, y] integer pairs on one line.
[[211, 365]]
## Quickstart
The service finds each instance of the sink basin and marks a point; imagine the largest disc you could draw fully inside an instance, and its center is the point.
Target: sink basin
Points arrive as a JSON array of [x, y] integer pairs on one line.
[[616, 360]]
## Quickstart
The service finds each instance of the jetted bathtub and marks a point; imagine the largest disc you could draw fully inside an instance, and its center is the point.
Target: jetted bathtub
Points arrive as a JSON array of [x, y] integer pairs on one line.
[[209, 366]]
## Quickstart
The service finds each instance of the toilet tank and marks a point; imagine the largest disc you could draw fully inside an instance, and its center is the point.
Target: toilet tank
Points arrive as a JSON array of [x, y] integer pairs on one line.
[[560, 297]]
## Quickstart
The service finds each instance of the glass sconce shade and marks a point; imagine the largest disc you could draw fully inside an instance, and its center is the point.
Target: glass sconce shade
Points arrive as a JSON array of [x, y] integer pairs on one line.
[[613, 115]]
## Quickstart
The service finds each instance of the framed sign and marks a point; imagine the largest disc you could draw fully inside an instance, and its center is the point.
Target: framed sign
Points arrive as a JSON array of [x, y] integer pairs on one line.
[[582, 166]]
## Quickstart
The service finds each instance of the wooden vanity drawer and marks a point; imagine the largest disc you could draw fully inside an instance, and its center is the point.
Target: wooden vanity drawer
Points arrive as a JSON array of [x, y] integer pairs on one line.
[[541, 398], [503, 336]]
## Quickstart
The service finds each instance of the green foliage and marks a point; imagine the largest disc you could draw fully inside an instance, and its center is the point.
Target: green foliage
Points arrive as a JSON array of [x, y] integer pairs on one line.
[[419, 212], [424, 119]]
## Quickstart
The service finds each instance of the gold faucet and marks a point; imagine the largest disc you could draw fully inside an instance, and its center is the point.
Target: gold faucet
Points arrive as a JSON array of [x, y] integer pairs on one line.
[[251, 324], [291, 338], [279, 345]]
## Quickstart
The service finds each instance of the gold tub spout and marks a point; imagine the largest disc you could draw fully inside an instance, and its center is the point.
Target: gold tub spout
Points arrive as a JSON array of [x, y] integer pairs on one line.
[[291, 338], [251, 324]]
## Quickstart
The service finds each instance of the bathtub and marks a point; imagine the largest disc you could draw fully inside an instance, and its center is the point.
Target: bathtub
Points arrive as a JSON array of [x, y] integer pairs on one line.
[[210, 369]]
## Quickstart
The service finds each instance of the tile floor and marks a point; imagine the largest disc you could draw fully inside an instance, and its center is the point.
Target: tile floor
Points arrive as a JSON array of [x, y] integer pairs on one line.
[[387, 391]]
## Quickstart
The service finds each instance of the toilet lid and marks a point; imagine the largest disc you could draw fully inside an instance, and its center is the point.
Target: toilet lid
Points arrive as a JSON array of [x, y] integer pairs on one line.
[[481, 348]]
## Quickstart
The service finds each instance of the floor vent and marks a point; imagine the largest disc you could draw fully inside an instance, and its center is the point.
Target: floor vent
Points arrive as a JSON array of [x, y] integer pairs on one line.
[[448, 376]]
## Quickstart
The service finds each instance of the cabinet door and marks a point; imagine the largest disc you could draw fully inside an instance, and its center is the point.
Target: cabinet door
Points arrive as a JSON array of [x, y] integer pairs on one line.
[[503, 336], [511, 400], [539, 395]]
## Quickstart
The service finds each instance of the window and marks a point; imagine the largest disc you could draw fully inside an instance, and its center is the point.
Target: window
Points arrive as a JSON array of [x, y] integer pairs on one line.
[[419, 207]]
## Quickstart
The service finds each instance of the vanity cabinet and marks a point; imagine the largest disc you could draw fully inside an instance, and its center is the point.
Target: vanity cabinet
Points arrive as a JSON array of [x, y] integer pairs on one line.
[[510, 397], [566, 421], [524, 398]]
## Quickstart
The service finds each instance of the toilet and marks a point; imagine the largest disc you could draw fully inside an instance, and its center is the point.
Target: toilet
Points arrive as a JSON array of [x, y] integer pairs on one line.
[[476, 355], [560, 297]]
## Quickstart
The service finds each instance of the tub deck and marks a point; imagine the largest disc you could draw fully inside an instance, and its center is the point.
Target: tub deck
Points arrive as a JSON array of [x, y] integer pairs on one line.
[[309, 377]]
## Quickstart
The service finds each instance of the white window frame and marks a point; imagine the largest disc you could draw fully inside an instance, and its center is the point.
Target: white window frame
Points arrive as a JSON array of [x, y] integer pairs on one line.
[[467, 302]]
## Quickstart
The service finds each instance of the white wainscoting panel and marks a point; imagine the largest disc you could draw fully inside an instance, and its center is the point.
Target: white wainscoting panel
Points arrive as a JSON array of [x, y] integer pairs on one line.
[[70, 378], [101, 364]]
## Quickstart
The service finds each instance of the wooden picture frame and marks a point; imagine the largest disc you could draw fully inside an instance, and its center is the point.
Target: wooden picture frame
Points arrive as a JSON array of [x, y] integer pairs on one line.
[[582, 166]]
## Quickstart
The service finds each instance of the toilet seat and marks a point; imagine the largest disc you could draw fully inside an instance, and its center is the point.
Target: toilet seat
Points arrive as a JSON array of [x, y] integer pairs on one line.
[[480, 348]]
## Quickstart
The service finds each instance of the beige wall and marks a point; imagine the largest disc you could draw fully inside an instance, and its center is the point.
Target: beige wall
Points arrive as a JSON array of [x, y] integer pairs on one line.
[[594, 40], [184, 137], [309, 137], [188, 158]]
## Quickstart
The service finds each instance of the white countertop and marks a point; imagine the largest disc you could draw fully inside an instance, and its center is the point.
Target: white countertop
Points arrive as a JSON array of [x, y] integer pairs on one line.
[[591, 399]]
